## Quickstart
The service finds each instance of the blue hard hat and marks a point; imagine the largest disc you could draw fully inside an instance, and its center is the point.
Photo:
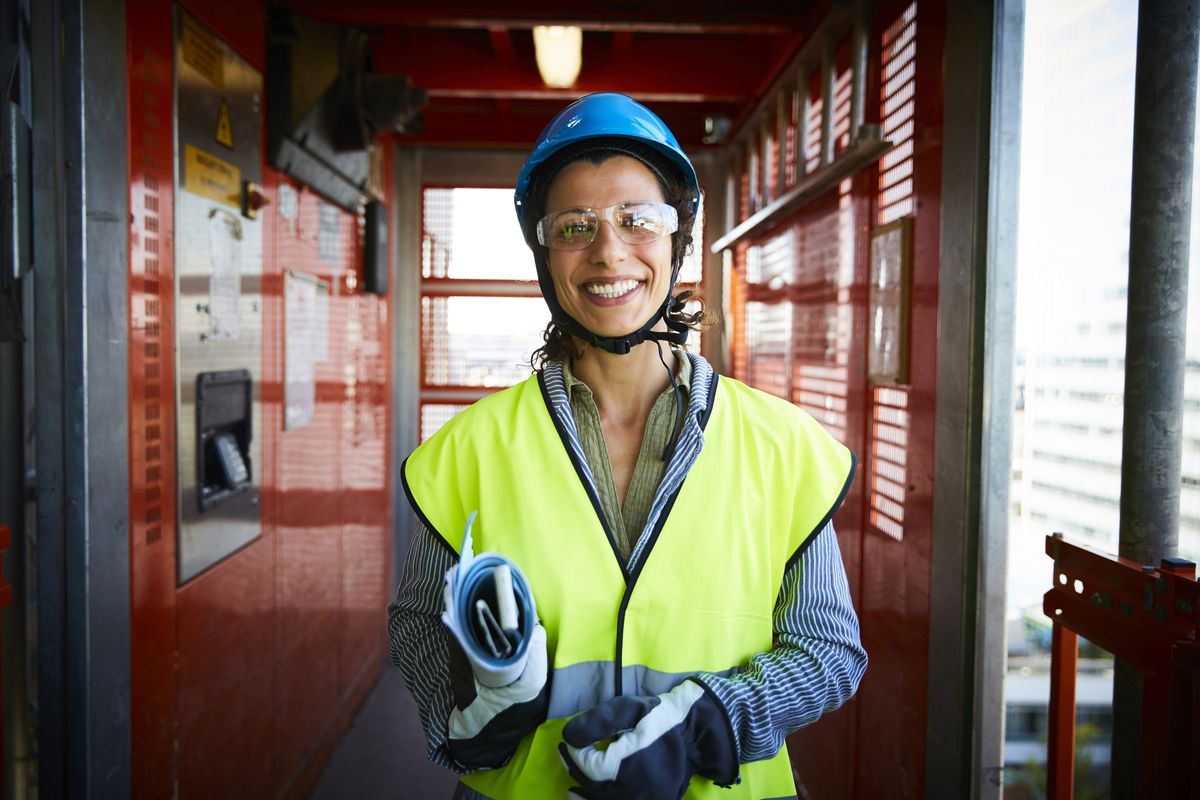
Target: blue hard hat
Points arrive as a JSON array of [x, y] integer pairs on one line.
[[604, 115]]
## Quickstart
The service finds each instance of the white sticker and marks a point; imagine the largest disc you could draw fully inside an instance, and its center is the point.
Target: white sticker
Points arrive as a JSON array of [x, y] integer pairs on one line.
[[300, 338], [225, 276], [289, 206]]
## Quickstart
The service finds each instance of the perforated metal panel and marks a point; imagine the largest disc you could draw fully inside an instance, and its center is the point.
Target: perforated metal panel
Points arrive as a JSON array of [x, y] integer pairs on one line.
[[480, 341]]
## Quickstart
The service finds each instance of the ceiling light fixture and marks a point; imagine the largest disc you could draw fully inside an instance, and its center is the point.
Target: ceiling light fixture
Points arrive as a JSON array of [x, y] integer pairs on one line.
[[559, 52]]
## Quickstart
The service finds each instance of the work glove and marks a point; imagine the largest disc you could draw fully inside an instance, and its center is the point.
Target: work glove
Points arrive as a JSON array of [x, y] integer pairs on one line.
[[487, 722], [659, 743]]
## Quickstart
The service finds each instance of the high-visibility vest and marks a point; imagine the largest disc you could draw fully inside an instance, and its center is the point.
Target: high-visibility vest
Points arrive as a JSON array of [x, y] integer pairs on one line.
[[699, 599]]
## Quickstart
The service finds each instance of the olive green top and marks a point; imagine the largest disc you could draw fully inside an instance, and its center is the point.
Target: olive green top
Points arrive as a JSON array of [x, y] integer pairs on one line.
[[626, 522]]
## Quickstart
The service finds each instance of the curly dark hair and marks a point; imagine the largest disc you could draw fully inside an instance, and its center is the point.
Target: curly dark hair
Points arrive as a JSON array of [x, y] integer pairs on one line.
[[560, 345]]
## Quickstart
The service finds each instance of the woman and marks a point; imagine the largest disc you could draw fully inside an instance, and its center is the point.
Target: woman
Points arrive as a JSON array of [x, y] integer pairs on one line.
[[674, 528]]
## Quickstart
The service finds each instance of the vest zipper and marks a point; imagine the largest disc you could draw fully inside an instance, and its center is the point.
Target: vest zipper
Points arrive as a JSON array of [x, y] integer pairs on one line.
[[618, 661]]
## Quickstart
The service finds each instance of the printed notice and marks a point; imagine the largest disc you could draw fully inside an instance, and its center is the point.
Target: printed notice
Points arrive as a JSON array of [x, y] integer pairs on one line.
[[300, 335], [225, 277], [328, 233], [209, 176], [202, 52]]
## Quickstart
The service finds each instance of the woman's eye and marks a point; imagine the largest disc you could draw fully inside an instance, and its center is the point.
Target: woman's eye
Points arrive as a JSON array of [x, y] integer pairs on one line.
[[567, 231]]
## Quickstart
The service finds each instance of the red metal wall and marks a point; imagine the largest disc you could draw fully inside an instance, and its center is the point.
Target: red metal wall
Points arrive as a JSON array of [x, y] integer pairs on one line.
[[876, 746], [244, 678]]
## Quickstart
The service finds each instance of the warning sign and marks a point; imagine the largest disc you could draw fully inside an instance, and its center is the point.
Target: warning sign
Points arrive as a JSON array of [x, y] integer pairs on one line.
[[224, 134], [209, 176]]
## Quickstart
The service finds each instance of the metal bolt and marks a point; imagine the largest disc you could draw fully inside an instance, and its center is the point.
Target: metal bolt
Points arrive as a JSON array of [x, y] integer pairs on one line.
[[204, 337]]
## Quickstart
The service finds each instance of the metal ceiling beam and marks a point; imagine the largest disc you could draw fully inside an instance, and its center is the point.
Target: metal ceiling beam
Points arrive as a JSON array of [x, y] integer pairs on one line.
[[754, 18], [466, 123], [451, 65]]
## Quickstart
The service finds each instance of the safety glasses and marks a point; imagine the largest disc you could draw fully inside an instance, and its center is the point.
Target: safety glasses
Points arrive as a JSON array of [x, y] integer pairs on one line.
[[635, 223]]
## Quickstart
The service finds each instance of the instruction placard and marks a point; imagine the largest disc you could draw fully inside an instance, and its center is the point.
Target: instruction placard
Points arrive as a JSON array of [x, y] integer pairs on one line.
[[225, 277], [304, 338]]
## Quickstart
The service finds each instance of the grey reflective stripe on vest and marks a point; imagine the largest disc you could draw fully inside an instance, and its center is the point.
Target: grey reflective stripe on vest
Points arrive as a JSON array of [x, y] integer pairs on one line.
[[587, 684], [464, 792]]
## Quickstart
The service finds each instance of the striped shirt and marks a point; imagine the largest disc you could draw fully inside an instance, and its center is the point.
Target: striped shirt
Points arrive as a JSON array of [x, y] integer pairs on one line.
[[814, 667]]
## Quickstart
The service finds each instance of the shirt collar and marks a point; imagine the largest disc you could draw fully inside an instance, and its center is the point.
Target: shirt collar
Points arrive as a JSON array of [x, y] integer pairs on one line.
[[683, 374]]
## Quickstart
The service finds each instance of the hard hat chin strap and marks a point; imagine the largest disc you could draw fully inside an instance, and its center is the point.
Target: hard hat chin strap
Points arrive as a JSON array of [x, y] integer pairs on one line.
[[621, 345], [669, 312]]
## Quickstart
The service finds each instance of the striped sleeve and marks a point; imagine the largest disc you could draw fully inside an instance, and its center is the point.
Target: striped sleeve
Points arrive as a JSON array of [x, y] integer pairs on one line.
[[418, 639], [817, 661]]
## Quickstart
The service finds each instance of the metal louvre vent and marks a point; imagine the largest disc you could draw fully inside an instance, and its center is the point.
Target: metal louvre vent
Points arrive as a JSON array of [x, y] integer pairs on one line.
[[841, 110], [812, 136], [889, 460], [897, 105], [822, 336]]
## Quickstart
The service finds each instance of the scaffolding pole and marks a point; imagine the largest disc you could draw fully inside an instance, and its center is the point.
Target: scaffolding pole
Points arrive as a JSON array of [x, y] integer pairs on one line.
[[1159, 232]]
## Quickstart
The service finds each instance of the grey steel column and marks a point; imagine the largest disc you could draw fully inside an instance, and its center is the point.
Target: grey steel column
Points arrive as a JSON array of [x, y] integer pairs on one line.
[[406, 338], [1164, 120], [81, 225]]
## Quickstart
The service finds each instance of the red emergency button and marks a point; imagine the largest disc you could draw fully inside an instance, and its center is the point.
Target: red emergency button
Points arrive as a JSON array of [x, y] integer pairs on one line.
[[252, 199]]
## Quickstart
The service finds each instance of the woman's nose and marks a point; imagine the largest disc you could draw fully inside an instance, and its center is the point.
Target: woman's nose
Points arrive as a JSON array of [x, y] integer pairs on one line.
[[607, 247]]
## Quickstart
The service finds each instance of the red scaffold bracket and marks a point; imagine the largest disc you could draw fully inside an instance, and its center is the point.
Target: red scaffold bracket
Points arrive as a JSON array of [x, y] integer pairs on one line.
[[5, 601], [1146, 616]]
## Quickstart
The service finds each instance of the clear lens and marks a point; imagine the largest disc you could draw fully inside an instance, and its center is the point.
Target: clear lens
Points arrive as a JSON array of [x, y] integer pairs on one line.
[[635, 223]]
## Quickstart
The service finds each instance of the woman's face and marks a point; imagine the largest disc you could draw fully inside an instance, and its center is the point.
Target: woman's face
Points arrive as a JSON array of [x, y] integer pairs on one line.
[[611, 287]]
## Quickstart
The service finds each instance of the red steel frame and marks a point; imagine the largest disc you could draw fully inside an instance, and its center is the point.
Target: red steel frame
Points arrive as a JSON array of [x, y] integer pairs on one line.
[[1146, 616]]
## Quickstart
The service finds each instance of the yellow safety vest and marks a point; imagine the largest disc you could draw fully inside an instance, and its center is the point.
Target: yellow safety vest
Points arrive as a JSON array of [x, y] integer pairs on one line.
[[700, 598]]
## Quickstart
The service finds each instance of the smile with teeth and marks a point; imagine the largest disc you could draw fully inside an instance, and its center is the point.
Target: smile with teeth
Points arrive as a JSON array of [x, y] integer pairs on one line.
[[616, 289]]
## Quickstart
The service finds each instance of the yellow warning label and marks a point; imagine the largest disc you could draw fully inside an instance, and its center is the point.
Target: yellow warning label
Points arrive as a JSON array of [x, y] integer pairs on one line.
[[224, 134], [202, 52], [209, 176]]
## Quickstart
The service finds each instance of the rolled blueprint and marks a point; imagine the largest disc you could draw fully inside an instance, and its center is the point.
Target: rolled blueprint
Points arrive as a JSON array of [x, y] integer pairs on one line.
[[475, 604]]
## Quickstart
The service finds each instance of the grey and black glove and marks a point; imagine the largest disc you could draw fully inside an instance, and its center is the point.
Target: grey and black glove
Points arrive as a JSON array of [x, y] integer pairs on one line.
[[658, 744], [487, 723]]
